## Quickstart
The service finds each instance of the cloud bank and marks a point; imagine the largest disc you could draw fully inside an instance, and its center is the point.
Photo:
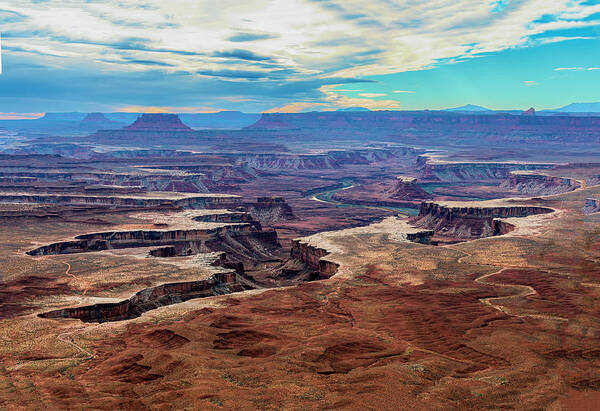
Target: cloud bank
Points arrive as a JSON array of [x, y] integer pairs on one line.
[[266, 54]]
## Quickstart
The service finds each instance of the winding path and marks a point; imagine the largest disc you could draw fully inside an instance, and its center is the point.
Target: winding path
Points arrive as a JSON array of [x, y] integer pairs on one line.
[[526, 290]]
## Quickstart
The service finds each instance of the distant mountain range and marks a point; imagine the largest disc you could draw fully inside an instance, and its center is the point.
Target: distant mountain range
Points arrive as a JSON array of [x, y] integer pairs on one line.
[[469, 107], [579, 108], [593, 107], [354, 109]]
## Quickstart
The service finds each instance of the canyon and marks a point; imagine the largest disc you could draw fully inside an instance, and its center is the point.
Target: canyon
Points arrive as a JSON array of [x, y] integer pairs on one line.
[[326, 260]]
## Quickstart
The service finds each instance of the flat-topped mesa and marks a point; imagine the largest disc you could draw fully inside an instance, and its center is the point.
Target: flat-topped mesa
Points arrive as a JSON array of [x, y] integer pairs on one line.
[[472, 171], [187, 232], [95, 118], [143, 200], [591, 205], [533, 184], [406, 188], [151, 298], [284, 161], [158, 122], [312, 256], [472, 220]]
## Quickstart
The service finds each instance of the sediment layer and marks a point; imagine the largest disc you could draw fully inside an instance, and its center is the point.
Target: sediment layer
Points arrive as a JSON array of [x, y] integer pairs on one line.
[[538, 184], [151, 298], [470, 220]]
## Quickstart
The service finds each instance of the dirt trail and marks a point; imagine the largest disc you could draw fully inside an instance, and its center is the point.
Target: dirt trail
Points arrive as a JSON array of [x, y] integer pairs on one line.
[[68, 272], [526, 290]]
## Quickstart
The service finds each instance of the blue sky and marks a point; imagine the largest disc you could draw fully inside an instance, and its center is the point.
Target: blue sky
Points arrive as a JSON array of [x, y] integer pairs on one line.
[[296, 55]]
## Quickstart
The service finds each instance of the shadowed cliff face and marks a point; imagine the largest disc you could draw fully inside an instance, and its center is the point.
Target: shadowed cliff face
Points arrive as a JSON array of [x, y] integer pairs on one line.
[[151, 298], [460, 127], [474, 221]]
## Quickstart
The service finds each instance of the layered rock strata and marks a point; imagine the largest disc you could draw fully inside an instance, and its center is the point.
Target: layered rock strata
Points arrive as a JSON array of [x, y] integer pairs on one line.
[[472, 220], [152, 298], [472, 171], [591, 205], [538, 184], [406, 188], [146, 201]]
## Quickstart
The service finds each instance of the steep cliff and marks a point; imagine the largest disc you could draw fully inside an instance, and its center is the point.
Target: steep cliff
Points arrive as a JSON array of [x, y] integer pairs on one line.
[[538, 184], [591, 205], [146, 201], [158, 122], [472, 171], [406, 188], [269, 210], [151, 298], [313, 257], [471, 220]]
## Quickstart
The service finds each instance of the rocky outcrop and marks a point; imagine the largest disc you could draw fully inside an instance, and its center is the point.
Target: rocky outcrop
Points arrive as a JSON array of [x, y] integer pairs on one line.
[[95, 118], [286, 161], [230, 217], [188, 179], [476, 171], [368, 156], [313, 257], [192, 239], [158, 122], [459, 128], [152, 298], [591, 205], [269, 210], [187, 202], [538, 184], [471, 221], [406, 188]]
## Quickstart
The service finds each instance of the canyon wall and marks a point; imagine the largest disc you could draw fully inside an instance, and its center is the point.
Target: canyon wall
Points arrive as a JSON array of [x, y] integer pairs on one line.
[[188, 239], [472, 171], [269, 210], [313, 257], [471, 221], [462, 128], [406, 188], [151, 298], [192, 202], [538, 184], [591, 205]]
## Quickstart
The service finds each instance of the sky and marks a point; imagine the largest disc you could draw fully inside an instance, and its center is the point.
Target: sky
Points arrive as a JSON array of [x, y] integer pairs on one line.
[[296, 55]]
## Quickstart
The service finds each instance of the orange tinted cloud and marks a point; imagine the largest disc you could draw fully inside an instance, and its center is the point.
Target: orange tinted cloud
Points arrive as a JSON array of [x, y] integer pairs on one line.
[[167, 109], [20, 116], [294, 107]]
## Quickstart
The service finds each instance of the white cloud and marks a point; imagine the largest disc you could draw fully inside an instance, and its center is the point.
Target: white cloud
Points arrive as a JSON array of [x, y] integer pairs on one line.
[[403, 91], [372, 95], [300, 39], [339, 100], [530, 83], [576, 68]]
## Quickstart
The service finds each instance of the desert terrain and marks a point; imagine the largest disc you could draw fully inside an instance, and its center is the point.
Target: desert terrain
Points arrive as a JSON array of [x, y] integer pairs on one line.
[[379, 260]]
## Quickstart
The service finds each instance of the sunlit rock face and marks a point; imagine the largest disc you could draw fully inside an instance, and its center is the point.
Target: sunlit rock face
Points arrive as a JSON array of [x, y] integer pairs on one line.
[[538, 184]]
